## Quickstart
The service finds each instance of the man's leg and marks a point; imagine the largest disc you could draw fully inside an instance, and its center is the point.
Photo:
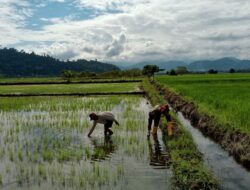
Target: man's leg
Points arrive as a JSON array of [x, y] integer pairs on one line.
[[150, 120], [156, 124], [105, 130], [107, 127]]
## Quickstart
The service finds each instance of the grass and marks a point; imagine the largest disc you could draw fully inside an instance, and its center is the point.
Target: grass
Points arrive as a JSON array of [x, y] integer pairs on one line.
[[66, 88], [35, 79], [223, 96], [187, 162]]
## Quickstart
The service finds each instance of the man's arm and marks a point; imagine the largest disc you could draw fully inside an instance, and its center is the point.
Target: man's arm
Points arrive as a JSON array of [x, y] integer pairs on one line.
[[92, 128], [116, 122], [167, 115]]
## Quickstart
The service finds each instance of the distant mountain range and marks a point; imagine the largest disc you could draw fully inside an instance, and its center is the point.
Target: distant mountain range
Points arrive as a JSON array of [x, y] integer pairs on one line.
[[15, 63], [224, 64]]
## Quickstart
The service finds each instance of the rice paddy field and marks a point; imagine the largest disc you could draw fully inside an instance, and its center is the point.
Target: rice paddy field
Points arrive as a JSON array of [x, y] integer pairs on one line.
[[61, 80], [224, 96], [44, 145], [68, 88]]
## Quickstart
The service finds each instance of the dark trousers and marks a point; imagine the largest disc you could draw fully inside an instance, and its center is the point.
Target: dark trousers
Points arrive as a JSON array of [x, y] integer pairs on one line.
[[153, 117], [107, 127]]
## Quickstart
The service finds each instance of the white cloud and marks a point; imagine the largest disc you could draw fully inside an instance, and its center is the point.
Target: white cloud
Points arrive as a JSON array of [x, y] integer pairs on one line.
[[105, 5], [144, 29]]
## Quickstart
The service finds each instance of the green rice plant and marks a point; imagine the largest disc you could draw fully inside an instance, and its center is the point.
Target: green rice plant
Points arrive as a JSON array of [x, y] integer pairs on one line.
[[52, 140], [64, 88], [63, 156], [2, 153], [48, 155], [87, 152], [1, 180], [224, 97], [11, 156], [42, 172], [20, 155], [120, 170]]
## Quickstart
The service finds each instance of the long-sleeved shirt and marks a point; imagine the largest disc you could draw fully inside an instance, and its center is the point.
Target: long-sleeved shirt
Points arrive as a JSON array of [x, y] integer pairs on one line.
[[102, 119], [155, 112]]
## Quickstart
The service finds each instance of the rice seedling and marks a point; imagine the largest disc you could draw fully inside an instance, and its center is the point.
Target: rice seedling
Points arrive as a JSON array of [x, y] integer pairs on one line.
[[1, 180], [65, 88], [46, 140]]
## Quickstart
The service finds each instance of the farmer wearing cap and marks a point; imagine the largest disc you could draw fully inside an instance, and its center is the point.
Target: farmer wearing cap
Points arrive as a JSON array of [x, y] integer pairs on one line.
[[106, 118], [155, 115]]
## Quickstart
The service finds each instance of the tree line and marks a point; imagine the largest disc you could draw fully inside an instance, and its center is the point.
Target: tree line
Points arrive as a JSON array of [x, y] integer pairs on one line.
[[14, 63]]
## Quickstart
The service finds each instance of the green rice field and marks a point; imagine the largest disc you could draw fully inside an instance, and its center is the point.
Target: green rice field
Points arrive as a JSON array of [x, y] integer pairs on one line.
[[224, 96], [68, 88], [44, 145]]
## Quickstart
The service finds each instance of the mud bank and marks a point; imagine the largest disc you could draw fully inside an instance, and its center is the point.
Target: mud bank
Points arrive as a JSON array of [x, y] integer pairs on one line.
[[235, 142]]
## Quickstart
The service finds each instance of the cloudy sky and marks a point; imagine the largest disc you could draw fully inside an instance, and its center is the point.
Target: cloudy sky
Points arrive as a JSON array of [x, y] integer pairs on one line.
[[128, 30]]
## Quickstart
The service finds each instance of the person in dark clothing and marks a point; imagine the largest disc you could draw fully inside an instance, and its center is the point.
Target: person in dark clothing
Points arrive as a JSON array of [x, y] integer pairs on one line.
[[155, 115], [106, 118]]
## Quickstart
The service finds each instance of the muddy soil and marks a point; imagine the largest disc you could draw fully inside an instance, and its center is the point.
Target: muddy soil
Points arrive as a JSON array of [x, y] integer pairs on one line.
[[236, 143]]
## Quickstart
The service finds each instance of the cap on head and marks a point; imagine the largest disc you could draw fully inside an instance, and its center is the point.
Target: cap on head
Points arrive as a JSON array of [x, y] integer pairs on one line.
[[93, 116]]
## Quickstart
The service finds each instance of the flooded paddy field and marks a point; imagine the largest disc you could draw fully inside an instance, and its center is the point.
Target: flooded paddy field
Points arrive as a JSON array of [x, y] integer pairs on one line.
[[44, 145]]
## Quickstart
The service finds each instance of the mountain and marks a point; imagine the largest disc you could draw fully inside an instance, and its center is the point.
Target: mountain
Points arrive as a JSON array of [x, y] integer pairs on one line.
[[166, 65], [224, 64], [15, 63]]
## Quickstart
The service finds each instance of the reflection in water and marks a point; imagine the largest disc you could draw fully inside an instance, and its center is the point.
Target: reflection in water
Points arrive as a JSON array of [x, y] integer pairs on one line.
[[102, 150], [158, 157]]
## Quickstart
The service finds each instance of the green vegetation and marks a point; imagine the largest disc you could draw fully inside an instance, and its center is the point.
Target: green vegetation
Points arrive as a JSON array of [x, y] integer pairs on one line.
[[150, 70], [31, 80], [65, 88], [43, 142], [18, 63], [110, 74], [187, 162], [223, 96], [60, 80]]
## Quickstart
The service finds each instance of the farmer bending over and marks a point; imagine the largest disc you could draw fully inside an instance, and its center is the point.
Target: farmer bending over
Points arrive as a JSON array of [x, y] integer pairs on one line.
[[155, 115], [105, 118]]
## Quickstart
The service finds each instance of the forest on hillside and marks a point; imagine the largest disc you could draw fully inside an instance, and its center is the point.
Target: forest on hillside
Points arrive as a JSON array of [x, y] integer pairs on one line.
[[14, 63]]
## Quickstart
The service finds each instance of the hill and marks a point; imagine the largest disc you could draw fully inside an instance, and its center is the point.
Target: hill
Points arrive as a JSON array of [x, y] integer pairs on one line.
[[224, 64], [15, 63]]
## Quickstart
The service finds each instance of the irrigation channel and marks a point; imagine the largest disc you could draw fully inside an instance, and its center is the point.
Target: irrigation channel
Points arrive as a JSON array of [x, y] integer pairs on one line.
[[232, 176], [44, 145]]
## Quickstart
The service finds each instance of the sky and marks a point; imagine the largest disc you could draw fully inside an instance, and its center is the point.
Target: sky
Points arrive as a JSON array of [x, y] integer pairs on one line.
[[127, 31]]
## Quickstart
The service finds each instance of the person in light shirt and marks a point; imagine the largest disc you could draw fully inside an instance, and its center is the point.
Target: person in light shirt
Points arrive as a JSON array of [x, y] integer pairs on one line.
[[106, 118]]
